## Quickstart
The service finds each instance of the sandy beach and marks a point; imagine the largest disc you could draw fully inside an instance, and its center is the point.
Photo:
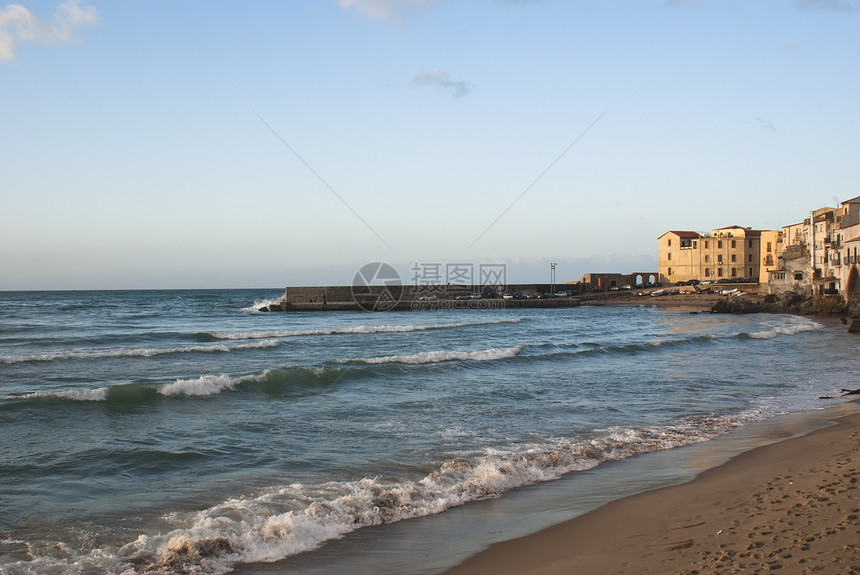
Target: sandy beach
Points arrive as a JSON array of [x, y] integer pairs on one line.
[[790, 507]]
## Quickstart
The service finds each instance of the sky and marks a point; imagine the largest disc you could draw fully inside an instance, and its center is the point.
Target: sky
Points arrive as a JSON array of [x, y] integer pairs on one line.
[[210, 144]]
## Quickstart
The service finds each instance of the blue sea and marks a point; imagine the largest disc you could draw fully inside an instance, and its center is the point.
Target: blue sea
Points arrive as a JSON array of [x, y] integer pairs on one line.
[[187, 432]]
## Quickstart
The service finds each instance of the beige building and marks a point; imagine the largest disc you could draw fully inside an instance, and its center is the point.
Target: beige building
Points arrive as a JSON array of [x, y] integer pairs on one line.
[[818, 255], [733, 252], [849, 251], [771, 248]]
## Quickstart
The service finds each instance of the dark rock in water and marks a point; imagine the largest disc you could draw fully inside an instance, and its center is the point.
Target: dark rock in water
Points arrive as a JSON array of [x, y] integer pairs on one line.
[[264, 308], [854, 327], [743, 305]]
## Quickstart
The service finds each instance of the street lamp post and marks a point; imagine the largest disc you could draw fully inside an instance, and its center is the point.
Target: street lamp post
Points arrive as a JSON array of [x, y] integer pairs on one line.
[[552, 277]]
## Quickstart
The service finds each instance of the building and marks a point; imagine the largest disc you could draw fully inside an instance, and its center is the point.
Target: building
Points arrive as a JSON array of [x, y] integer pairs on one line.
[[732, 252], [818, 256], [771, 248], [601, 282], [849, 251]]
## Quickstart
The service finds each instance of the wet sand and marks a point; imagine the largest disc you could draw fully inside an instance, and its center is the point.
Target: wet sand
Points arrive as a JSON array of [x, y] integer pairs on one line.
[[789, 507]]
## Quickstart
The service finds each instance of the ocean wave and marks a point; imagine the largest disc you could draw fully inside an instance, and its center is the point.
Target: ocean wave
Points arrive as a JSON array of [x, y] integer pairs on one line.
[[800, 325], [263, 303], [291, 519], [558, 350], [134, 352], [297, 381], [360, 329], [441, 356]]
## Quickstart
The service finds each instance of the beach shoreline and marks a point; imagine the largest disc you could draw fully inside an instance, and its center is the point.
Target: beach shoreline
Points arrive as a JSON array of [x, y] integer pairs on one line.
[[792, 505]]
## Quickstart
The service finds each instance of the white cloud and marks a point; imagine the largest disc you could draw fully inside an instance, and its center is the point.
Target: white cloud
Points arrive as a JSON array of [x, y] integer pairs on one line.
[[18, 24], [443, 82]]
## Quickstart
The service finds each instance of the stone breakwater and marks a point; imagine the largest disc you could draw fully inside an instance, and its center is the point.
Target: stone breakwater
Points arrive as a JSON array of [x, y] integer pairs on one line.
[[410, 297], [405, 297]]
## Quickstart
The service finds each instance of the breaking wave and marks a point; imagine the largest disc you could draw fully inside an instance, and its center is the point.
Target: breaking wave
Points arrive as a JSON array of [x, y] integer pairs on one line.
[[441, 356], [286, 520], [360, 329], [799, 326], [292, 381], [263, 303], [135, 352]]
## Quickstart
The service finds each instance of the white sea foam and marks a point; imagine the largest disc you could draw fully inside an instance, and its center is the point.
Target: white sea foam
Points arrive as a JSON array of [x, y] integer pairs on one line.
[[99, 394], [263, 303], [204, 385], [209, 384], [797, 325], [360, 329], [136, 352], [286, 520], [440, 356]]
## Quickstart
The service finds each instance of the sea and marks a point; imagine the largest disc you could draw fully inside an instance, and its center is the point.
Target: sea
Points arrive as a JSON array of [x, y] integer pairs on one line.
[[185, 431]]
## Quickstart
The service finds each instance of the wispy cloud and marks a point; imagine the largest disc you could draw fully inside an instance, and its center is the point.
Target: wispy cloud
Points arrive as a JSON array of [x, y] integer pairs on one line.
[[18, 24], [386, 10], [443, 82], [835, 5], [765, 123]]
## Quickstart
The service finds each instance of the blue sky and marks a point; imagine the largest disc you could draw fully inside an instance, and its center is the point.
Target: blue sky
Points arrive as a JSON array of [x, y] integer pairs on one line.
[[211, 144]]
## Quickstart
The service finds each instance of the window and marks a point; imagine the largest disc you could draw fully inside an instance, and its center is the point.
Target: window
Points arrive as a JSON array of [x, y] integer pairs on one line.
[[670, 271], [707, 244], [669, 256], [750, 258], [734, 244], [750, 244], [670, 242], [719, 244], [751, 273], [798, 276], [768, 247], [695, 244], [707, 258], [707, 272], [734, 258], [734, 272], [720, 258], [720, 272]]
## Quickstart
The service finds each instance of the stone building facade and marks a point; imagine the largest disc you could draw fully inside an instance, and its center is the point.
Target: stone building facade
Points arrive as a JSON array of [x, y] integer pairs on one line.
[[732, 252], [820, 254]]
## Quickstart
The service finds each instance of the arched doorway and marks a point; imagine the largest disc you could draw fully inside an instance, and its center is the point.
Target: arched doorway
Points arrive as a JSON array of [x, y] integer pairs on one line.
[[852, 290]]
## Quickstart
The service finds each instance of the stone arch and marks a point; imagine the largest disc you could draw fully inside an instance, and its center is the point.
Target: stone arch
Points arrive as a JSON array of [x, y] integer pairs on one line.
[[852, 290], [638, 280]]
